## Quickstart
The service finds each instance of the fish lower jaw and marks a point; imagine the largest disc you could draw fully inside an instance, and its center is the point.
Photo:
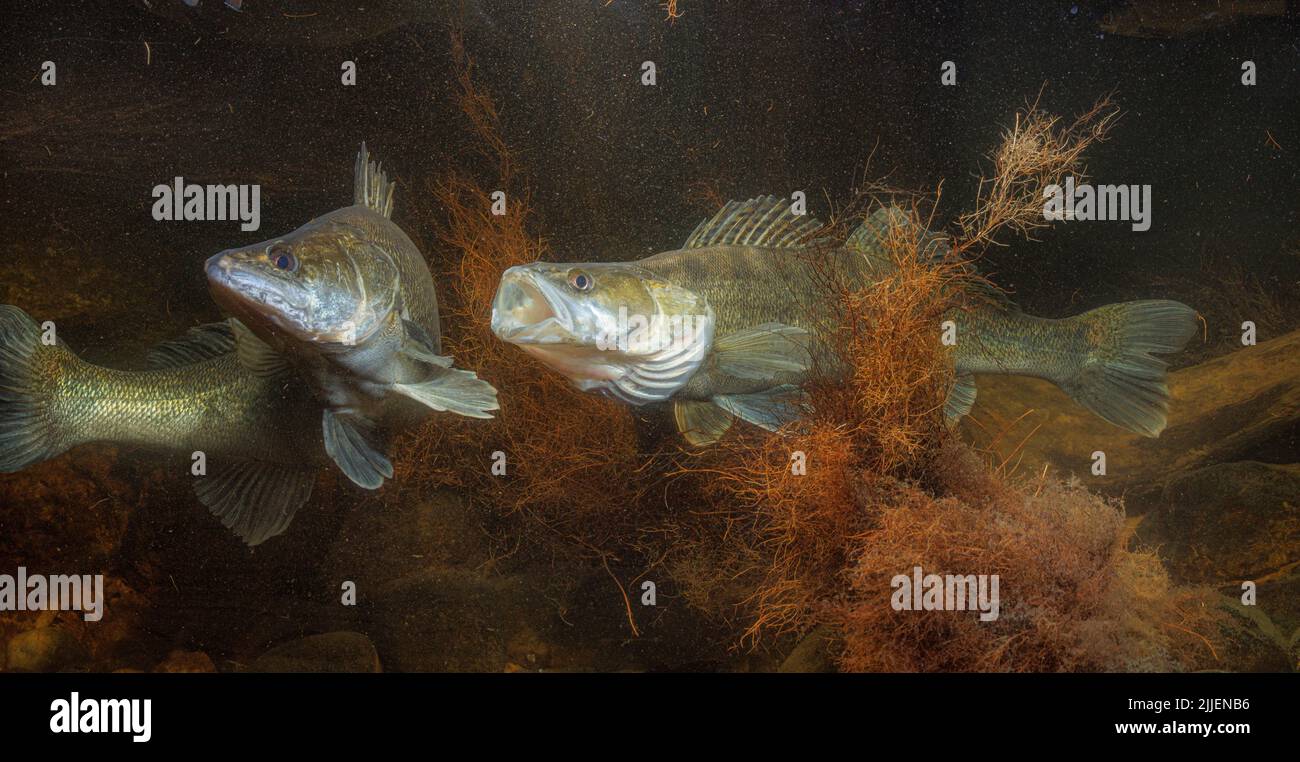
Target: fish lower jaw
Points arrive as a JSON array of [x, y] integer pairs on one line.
[[549, 331]]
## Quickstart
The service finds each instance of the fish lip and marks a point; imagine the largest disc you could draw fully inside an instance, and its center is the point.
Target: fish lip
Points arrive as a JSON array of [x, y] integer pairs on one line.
[[518, 285], [244, 296]]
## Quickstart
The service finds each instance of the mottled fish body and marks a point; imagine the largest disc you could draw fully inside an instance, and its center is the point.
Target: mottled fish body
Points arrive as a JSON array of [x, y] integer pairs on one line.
[[765, 321], [260, 447]]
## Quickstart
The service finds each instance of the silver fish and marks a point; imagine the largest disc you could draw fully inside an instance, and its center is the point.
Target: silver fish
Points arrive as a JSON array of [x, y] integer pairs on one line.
[[348, 302]]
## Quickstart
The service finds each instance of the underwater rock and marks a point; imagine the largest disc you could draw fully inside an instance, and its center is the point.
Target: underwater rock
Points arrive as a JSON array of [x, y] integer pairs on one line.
[[812, 654], [45, 649], [1266, 635], [1240, 406], [1227, 522], [329, 652], [449, 621], [186, 662]]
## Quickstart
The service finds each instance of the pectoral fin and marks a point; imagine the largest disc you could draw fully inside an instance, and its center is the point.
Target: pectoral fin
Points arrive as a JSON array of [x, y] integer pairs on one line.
[[770, 409], [256, 500], [701, 423], [457, 391], [255, 354], [762, 352], [349, 442], [960, 398], [420, 346]]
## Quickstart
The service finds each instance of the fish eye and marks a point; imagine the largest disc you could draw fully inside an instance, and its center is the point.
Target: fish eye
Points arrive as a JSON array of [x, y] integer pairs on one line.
[[282, 258], [580, 280]]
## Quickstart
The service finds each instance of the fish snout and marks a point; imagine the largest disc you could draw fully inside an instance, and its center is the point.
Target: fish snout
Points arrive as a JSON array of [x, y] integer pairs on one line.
[[218, 267], [518, 306]]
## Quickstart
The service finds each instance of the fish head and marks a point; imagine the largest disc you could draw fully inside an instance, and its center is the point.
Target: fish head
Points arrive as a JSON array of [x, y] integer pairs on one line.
[[328, 285], [613, 328]]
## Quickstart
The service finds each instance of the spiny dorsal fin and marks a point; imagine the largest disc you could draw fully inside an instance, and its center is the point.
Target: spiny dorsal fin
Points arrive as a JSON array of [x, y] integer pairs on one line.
[[766, 221], [371, 188], [202, 342]]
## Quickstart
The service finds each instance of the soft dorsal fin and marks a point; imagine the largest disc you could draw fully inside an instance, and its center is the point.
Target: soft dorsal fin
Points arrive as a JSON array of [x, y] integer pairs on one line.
[[371, 188], [870, 236], [765, 221], [202, 342]]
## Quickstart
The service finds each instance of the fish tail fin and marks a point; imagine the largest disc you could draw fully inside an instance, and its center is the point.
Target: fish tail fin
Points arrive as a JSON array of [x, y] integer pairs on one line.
[[29, 429], [1118, 378]]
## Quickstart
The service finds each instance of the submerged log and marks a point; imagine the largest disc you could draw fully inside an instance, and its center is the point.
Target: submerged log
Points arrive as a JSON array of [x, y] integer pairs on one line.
[[1241, 406]]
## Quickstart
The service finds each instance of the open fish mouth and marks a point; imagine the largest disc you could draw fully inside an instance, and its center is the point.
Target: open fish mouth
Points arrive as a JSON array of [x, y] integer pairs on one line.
[[531, 311]]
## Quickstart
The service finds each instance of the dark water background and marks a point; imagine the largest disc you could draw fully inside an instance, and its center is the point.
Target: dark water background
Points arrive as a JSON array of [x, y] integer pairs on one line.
[[753, 97]]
